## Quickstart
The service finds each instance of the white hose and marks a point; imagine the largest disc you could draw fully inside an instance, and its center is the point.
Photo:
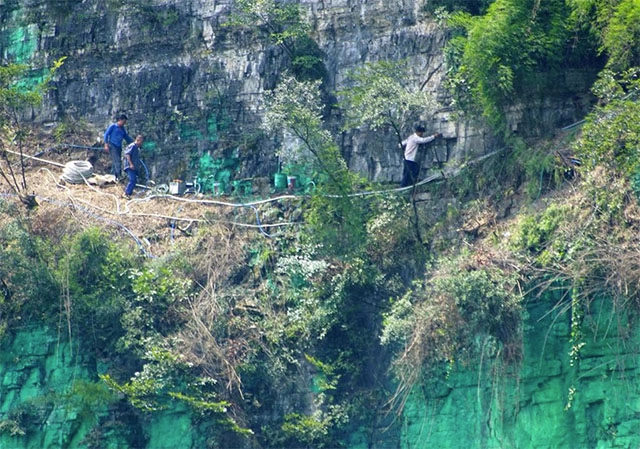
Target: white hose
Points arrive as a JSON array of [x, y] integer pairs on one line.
[[76, 172]]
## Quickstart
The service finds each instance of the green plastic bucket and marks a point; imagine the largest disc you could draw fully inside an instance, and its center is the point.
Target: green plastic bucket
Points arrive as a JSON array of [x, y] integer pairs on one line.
[[280, 181]]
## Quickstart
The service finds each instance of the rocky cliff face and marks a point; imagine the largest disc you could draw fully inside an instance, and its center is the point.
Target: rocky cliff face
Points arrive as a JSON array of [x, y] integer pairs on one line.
[[49, 399], [194, 85]]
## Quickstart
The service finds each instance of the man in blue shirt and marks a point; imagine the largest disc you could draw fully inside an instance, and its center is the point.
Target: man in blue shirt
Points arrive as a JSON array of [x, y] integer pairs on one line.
[[113, 137], [131, 164]]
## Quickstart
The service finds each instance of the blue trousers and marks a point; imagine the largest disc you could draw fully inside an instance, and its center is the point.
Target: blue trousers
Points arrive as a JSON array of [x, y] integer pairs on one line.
[[132, 181]]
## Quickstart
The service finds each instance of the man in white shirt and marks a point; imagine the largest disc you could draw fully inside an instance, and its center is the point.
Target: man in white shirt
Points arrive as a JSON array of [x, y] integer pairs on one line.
[[410, 145]]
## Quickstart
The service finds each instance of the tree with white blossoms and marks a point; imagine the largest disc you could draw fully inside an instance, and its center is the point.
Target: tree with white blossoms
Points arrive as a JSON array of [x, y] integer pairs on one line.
[[294, 109], [335, 217], [384, 94]]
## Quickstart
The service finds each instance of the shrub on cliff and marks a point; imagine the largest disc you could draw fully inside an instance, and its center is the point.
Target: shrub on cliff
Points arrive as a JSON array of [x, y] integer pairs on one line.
[[468, 308]]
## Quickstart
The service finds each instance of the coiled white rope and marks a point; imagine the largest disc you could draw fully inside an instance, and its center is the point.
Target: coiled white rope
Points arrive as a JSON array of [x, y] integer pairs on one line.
[[76, 172]]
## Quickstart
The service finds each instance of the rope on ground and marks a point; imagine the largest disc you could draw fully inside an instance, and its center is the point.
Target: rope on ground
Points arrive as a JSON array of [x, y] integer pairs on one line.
[[77, 172], [220, 203], [34, 158], [261, 226], [106, 220], [99, 192], [252, 205]]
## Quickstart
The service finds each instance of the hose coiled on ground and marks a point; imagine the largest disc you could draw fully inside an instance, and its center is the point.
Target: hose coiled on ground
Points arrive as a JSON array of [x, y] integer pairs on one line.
[[76, 172]]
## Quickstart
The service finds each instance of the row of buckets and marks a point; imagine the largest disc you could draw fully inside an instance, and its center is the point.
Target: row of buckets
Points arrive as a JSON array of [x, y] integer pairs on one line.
[[283, 181], [242, 187]]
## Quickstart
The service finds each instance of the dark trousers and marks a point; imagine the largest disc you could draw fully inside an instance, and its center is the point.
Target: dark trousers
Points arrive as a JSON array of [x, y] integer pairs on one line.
[[132, 181], [410, 173], [116, 160]]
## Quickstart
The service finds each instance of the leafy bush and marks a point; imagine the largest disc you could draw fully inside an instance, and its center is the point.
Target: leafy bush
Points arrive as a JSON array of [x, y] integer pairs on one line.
[[611, 135], [470, 305], [286, 26], [471, 6], [613, 26], [156, 308], [494, 56], [28, 289], [91, 270], [536, 231], [622, 36]]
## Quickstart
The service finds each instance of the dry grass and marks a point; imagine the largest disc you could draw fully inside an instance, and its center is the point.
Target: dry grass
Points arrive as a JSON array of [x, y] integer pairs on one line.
[[153, 220]]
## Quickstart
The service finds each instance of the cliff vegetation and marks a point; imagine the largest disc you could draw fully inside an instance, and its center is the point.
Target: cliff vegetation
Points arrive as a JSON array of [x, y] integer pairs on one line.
[[342, 312]]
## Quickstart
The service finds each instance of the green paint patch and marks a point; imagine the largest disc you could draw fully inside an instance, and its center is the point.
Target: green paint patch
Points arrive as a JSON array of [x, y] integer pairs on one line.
[[218, 172], [23, 43], [546, 402], [189, 133], [32, 80], [149, 148], [212, 129]]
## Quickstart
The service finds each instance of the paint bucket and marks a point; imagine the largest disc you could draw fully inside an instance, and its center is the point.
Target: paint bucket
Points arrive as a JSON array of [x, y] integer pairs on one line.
[[280, 181], [176, 187], [291, 182]]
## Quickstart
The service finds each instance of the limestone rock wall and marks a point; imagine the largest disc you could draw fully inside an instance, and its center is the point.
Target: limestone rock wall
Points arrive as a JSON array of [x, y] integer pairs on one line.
[[193, 85]]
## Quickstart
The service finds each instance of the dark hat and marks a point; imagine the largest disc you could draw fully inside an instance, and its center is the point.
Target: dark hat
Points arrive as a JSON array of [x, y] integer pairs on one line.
[[122, 117], [419, 128]]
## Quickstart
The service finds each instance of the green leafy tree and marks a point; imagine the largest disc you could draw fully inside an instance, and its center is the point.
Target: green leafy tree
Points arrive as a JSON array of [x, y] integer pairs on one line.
[[614, 26], [622, 36], [495, 56], [611, 135], [380, 94]]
